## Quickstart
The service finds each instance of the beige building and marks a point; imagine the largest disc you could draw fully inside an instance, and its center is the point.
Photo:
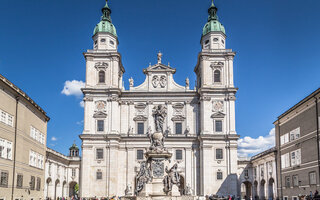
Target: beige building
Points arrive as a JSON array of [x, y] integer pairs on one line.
[[23, 133]]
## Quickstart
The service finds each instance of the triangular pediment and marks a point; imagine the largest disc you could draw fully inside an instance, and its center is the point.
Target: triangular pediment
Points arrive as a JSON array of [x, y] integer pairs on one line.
[[218, 115], [159, 68], [100, 114]]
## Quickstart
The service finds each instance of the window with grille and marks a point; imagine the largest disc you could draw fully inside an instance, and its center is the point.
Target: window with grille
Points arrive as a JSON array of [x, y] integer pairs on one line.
[[219, 176], [140, 128], [219, 154], [4, 179], [100, 125], [179, 128], [38, 184], [139, 154], [178, 154], [287, 178], [19, 181], [312, 178], [99, 154], [295, 181], [73, 172]]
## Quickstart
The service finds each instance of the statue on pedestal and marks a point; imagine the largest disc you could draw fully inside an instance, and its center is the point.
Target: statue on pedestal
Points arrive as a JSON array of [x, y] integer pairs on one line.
[[173, 178]]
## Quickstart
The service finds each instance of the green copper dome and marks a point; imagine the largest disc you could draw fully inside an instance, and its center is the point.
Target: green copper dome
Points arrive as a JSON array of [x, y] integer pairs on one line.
[[105, 25], [213, 24]]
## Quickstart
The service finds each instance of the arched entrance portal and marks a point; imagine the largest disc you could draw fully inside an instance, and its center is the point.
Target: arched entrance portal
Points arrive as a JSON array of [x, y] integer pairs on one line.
[[246, 192], [72, 186], [271, 189], [56, 187], [49, 187], [262, 187], [255, 190]]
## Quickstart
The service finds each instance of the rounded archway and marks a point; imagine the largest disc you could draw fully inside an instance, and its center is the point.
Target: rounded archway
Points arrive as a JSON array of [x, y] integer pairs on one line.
[[271, 189], [262, 189], [255, 190], [49, 189], [64, 189], [72, 191], [246, 192], [56, 189]]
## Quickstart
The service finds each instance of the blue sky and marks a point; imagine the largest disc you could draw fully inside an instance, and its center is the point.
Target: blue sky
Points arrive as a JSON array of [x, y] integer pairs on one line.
[[277, 45]]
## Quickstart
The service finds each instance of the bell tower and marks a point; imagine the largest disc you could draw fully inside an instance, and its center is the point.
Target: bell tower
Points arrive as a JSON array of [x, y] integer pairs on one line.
[[215, 86]]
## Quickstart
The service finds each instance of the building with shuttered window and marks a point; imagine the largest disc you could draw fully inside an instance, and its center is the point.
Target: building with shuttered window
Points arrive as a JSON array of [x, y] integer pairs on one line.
[[23, 133], [297, 143]]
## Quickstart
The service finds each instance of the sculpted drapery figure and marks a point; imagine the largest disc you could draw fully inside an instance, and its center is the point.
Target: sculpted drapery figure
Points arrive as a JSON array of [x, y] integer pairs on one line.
[[159, 113], [173, 178], [143, 177]]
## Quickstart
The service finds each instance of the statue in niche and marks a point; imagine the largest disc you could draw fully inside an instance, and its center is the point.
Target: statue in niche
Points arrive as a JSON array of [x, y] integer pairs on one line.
[[131, 82], [173, 178], [159, 113], [143, 177]]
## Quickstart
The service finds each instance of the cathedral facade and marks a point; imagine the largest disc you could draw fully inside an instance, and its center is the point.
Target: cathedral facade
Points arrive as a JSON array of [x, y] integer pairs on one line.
[[198, 124]]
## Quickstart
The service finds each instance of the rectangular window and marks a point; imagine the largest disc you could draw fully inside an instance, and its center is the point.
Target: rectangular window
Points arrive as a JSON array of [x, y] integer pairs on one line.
[[9, 150], [99, 154], [178, 154], [287, 178], [38, 184], [100, 125], [19, 181], [295, 181], [261, 170], [246, 173], [219, 176], [140, 128], [286, 138], [99, 175], [73, 172], [10, 120], [32, 183], [218, 126], [219, 154], [3, 117], [255, 172], [2, 148], [139, 154], [179, 128], [293, 158], [312, 178], [282, 140], [4, 179]]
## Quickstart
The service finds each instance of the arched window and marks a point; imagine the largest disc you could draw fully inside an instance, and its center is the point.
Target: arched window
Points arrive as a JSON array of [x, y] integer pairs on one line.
[[102, 77], [217, 76]]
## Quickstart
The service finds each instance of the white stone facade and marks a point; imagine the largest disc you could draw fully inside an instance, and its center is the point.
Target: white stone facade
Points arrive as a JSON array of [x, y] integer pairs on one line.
[[258, 176], [62, 173], [200, 123]]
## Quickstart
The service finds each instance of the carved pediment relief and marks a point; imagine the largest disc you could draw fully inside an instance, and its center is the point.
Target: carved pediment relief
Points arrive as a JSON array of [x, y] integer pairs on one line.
[[100, 114], [100, 105], [178, 118], [218, 115], [140, 118], [101, 65], [159, 68], [159, 81], [217, 106]]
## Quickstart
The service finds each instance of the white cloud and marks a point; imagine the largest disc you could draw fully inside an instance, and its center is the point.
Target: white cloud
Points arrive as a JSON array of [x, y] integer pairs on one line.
[[249, 146], [73, 88], [80, 122], [54, 138], [81, 104]]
